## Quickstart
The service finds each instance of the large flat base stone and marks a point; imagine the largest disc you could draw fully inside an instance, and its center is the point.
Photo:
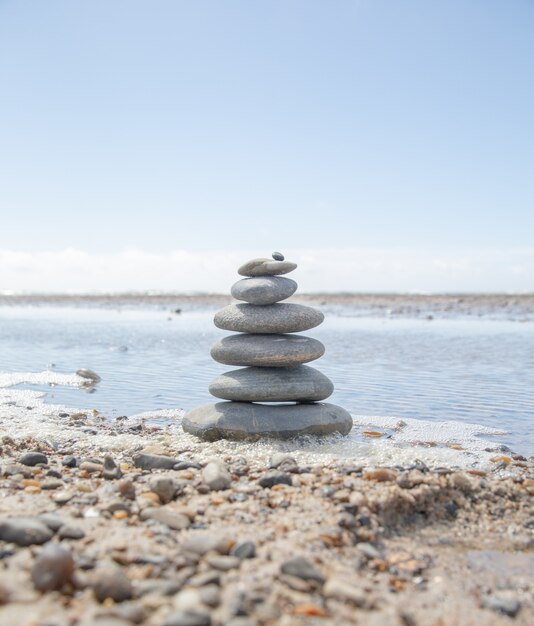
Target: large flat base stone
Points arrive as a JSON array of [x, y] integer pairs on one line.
[[246, 420]]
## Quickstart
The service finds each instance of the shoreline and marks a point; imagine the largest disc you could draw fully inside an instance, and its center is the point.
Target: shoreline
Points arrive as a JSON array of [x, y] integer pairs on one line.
[[161, 531], [495, 306]]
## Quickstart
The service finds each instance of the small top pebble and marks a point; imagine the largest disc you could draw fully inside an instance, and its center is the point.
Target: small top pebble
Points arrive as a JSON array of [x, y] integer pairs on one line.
[[278, 256], [266, 267]]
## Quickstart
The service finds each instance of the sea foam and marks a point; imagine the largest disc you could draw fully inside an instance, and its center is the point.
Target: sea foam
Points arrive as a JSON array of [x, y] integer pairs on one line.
[[24, 413]]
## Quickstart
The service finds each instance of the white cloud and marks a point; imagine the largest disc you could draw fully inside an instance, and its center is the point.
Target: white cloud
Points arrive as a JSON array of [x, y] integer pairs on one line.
[[348, 269]]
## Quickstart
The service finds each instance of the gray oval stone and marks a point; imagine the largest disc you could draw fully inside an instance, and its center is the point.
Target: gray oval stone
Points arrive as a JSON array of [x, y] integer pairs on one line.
[[264, 290], [244, 420], [24, 531], [266, 267], [267, 350], [272, 384], [274, 318]]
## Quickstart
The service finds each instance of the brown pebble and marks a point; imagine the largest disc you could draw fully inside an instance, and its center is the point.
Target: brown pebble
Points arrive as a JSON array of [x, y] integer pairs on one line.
[[127, 489], [53, 568], [4, 594], [111, 582], [381, 475]]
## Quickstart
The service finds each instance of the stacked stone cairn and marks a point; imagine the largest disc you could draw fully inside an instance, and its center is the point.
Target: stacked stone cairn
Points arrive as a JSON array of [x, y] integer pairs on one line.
[[274, 394]]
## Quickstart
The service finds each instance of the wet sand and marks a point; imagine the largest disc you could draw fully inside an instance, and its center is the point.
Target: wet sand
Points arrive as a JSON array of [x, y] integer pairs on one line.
[[160, 532]]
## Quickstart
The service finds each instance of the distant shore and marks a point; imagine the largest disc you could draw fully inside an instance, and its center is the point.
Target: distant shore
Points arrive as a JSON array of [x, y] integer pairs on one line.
[[518, 307]]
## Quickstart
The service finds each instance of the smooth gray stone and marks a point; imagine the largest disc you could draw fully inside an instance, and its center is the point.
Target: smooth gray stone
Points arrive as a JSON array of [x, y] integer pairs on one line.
[[267, 350], [264, 289], [275, 318], [24, 531], [278, 256], [244, 420], [266, 267], [272, 384]]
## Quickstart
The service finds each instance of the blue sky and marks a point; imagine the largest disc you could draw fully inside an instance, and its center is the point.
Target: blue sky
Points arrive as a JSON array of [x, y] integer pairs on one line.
[[208, 126]]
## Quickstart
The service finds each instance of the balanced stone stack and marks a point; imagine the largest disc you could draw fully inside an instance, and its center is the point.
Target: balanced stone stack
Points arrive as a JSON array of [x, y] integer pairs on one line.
[[274, 394]]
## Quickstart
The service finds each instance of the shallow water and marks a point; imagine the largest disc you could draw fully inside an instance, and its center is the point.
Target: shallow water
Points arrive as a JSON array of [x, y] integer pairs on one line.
[[476, 371]]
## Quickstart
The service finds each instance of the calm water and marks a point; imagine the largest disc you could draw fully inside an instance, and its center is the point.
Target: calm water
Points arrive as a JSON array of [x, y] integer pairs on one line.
[[474, 371]]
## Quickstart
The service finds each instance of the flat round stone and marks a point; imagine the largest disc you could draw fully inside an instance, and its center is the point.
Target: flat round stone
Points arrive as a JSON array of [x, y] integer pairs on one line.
[[273, 384], [273, 318], [264, 290], [244, 420], [267, 350], [266, 267]]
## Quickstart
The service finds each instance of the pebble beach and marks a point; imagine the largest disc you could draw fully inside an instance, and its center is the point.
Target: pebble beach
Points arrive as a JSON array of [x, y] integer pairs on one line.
[[119, 520], [137, 524]]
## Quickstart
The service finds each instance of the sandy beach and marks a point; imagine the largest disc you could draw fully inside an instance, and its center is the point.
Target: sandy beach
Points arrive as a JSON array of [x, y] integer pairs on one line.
[[113, 524]]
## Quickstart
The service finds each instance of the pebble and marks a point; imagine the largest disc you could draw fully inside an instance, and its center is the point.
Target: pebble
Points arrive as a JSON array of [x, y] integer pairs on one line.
[[278, 256], [54, 473], [381, 475], [127, 489], [216, 476], [264, 290], [54, 522], [302, 568], [169, 517], [129, 611], [51, 484], [62, 497], [243, 420], [109, 620], [205, 578], [368, 550], [245, 550], [69, 461], [266, 267], [33, 458], [188, 600], [341, 589], [91, 467], [499, 604], [268, 319], [111, 582], [201, 543], [5, 594], [24, 531], [53, 568], [111, 470], [71, 532], [275, 478], [154, 461], [223, 563], [89, 374], [210, 595], [188, 618], [301, 383], [282, 459], [277, 350], [166, 487], [404, 481], [242, 621]]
